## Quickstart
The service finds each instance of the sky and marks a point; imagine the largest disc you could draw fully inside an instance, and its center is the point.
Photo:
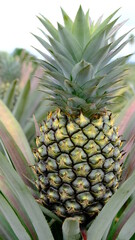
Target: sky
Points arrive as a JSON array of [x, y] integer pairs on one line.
[[18, 19]]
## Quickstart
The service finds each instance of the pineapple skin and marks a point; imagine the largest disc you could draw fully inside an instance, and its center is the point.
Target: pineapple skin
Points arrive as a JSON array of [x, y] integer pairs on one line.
[[77, 164]]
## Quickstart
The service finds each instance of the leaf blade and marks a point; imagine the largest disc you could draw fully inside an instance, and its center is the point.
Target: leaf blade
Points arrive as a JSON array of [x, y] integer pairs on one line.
[[128, 229], [13, 220], [111, 208], [21, 191], [71, 229], [15, 130]]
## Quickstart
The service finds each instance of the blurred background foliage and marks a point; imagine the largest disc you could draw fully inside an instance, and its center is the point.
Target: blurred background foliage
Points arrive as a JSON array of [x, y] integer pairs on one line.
[[19, 79]]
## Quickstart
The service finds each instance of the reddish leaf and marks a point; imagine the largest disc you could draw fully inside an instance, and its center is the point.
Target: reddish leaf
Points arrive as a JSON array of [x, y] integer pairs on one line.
[[15, 130], [8, 193], [17, 157]]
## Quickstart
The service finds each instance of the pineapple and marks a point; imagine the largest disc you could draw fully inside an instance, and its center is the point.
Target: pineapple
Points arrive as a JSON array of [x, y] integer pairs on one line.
[[78, 149]]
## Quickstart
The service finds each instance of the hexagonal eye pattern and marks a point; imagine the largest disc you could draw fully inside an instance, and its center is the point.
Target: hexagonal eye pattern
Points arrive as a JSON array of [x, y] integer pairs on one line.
[[92, 148], [43, 182], [72, 206], [66, 145], [64, 161], [85, 199], [77, 164], [49, 137], [94, 209], [81, 184], [96, 161], [91, 131], [55, 123], [53, 150], [67, 175], [101, 140], [52, 195], [81, 169], [108, 150], [66, 192], [108, 165], [109, 179], [54, 179], [107, 196], [98, 190], [79, 139], [82, 121], [42, 151], [51, 164], [78, 155], [96, 176], [98, 122], [41, 166], [61, 133], [72, 127], [59, 210]]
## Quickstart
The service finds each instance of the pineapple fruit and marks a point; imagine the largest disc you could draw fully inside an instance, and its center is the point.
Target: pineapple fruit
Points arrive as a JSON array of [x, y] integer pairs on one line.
[[78, 149]]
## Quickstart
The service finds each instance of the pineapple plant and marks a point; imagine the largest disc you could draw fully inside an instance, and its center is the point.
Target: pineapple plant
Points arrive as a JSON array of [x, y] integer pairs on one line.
[[10, 71], [15, 70], [79, 150], [10, 68], [20, 95], [21, 216]]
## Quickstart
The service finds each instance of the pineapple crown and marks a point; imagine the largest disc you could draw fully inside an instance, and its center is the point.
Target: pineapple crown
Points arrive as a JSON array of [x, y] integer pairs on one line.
[[80, 72]]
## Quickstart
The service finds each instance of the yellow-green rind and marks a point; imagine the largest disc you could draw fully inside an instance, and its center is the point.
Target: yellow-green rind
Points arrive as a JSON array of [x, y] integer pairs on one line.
[[78, 163]]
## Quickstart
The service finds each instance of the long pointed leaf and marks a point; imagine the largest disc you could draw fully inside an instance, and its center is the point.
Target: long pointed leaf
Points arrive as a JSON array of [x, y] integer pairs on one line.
[[31, 207], [9, 95], [6, 231], [128, 230], [14, 200], [17, 157], [22, 102], [122, 219], [13, 220], [68, 22], [106, 21], [48, 25], [111, 208], [15, 130], [80, 70], [80, 28], [70, 43], [60, 49], [43, 42], [65, 64]]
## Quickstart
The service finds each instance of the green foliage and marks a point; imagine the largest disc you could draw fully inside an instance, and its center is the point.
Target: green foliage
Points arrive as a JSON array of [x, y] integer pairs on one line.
[[22, 96], [10, 68], [81, 52], [23, 213]]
